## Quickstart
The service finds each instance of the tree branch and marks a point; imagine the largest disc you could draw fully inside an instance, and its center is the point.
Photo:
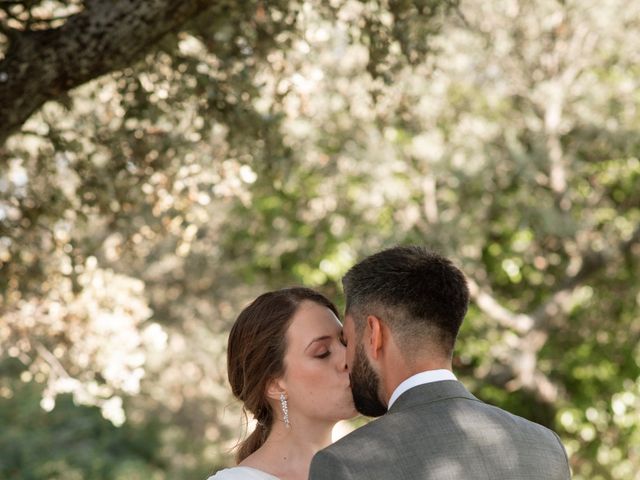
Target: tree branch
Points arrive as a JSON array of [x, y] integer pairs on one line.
[[430, 203], [562, 296], [591, 264], [521, 366], [106, 36], [518, 322]]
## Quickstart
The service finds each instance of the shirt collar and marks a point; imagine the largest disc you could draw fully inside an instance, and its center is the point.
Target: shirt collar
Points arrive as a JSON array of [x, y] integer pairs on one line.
[[420, 379]]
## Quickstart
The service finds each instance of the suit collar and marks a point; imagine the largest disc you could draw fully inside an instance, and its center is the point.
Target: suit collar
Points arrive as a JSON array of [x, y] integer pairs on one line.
[[431, 392], [428, 376]]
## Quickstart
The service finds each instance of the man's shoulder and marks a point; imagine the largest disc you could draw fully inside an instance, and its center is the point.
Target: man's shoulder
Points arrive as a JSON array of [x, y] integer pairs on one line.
[[473, 416], [392, 444], [359, 438], [354, 454], [521, 423]]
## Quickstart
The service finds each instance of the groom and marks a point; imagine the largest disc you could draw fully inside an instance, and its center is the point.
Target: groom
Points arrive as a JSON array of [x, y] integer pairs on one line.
[[404, 309]]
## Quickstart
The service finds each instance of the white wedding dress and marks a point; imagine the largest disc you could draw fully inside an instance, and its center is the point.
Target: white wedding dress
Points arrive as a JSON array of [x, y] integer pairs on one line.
[[242, 473]]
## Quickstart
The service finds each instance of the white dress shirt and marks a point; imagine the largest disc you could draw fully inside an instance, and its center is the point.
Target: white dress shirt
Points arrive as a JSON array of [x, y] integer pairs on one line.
[[420, 379]]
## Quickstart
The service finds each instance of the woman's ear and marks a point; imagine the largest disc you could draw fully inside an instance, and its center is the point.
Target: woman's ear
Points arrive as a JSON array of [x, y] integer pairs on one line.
[[274, 388]]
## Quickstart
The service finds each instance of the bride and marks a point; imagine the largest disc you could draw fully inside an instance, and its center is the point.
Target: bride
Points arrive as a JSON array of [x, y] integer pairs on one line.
[[286, 363]]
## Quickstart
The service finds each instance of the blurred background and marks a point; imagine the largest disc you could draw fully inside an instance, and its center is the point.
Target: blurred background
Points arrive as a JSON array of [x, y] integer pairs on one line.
[[162, 163]]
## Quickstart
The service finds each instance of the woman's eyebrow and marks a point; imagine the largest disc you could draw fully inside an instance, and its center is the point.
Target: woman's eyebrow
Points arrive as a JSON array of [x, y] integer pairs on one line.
[[317, 339]]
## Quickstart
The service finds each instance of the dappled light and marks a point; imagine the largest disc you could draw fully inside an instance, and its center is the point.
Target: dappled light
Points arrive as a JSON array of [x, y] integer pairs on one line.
[[258, 145]]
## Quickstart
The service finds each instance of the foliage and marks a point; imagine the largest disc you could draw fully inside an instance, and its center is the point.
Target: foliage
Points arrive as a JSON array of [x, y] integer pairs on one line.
[[71, 441], [278, 145]]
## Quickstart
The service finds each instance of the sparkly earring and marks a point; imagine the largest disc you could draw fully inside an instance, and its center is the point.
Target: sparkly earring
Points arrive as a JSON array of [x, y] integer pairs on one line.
[[285, 410]]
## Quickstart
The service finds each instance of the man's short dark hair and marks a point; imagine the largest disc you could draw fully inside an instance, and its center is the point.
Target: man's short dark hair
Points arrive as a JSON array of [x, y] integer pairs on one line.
[[421, 295]]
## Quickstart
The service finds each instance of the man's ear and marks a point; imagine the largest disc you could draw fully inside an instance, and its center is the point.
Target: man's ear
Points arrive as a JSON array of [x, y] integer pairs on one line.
[[376, 334], [275, 387]]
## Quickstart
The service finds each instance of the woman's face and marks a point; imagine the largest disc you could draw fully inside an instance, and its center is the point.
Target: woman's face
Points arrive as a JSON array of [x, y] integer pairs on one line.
[[316, 379]]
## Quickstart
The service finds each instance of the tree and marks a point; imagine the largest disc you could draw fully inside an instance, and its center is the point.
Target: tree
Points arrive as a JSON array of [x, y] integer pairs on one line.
[[51, 52], [213, 170], [130, 167]]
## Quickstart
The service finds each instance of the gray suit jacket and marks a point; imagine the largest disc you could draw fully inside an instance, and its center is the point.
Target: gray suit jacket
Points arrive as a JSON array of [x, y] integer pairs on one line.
[[440, 431]]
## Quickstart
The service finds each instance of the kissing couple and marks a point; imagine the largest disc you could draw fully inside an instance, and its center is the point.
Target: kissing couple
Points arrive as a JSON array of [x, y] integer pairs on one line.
[[298, 371]]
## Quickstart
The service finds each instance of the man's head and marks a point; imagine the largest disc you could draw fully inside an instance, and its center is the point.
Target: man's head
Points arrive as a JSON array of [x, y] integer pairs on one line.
[[419, 296]]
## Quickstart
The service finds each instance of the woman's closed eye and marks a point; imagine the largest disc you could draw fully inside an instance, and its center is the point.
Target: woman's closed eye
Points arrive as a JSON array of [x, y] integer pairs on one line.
[[324, 355]]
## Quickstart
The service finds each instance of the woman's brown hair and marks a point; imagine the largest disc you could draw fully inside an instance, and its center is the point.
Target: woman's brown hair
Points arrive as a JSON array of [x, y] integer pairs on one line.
[[255, 354]]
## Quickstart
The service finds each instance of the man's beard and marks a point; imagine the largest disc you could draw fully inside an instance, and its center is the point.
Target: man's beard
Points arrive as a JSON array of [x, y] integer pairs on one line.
[[365, 385]]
